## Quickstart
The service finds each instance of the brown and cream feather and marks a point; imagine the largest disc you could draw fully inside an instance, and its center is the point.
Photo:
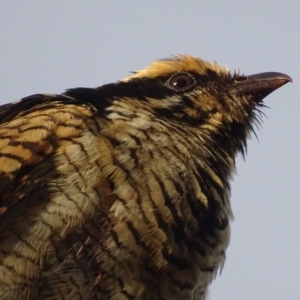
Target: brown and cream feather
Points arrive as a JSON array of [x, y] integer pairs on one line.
[[122, 191]]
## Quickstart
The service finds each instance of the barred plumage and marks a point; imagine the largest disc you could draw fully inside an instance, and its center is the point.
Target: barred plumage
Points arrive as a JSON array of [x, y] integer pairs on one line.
[[122, 191]]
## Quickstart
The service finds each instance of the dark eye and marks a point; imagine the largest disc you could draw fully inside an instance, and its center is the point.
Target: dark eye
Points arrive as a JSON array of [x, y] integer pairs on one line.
[[181, 82]]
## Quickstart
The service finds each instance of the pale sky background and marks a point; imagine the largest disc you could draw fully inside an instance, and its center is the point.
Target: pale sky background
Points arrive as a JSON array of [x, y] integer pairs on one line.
[[48, 46]]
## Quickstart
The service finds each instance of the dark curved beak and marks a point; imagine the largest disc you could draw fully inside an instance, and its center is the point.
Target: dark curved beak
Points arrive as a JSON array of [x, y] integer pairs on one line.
[[259, 85]]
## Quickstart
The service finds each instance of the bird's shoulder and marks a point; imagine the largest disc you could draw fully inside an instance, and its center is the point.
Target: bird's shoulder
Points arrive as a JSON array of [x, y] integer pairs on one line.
[[32, 131]]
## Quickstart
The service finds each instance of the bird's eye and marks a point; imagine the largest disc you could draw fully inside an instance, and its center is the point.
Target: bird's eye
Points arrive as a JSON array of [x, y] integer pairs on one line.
[[181, 82]]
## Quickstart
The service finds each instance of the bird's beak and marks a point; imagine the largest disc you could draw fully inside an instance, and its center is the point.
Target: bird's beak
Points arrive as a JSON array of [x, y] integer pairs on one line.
[[259, 85]]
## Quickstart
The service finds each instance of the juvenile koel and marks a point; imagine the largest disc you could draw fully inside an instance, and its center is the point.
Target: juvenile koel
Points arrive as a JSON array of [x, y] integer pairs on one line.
[[122, 192]]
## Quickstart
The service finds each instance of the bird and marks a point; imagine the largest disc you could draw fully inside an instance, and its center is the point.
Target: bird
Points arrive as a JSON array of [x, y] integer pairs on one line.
[[122, 192]]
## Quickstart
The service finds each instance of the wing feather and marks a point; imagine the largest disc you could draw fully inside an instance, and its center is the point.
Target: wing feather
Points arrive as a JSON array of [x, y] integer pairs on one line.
[[30, 133]]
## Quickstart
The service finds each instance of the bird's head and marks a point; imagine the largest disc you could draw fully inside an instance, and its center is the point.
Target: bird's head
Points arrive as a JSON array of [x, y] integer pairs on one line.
[[220, 105]]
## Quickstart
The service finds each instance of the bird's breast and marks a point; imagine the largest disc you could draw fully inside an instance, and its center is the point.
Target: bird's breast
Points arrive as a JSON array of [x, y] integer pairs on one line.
[[165, 235]]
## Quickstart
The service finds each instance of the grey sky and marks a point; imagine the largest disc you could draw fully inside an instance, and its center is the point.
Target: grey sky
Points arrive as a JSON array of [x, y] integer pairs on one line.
[[48, 46]]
